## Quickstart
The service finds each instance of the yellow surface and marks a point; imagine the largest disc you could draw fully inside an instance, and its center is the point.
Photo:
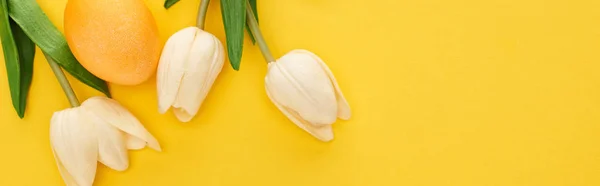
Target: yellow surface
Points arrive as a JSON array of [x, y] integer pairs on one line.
[[452, 93]]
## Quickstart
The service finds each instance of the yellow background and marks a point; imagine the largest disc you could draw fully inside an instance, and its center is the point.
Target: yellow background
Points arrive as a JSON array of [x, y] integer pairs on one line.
[[452, 93]]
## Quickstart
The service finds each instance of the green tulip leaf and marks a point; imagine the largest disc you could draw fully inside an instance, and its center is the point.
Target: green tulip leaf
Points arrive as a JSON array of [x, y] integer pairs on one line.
[[19, 52], [234, 20], [170, 3], [26, 49]]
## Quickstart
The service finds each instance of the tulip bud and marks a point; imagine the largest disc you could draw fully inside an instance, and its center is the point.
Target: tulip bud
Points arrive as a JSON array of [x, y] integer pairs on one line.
[[191, 61], [99, 130], [304, 89]]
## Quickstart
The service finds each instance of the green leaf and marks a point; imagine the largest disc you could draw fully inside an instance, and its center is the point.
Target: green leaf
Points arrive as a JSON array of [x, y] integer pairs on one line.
[[234, 20], [11, 57], [253, 5], [30, 17], [19, 51], [169, 3], [26, 49]]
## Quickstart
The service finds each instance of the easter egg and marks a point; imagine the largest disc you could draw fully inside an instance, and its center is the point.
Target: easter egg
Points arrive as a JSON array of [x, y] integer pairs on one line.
[[116, 40]]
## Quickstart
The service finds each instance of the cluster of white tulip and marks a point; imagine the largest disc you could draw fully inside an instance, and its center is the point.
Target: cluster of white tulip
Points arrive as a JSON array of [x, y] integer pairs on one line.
[[300, 84]]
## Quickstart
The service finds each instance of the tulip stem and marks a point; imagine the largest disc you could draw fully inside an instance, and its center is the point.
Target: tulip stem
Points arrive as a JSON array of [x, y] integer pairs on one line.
[[64, 83], [202, 14], [253, 24]]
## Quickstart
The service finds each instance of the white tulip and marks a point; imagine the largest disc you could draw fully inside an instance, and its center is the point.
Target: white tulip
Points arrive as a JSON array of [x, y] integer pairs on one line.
[[190, 62], [98, 130], [304, 89]]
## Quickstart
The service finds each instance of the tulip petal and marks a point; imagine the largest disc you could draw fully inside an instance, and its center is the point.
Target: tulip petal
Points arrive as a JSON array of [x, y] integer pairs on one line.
[[64, 173], [323, 133], [74, 146], [183, 114], [111, 146], [205, 62], [296, 81], [111, 112], [343, 106], [134, 143], [171, 67]]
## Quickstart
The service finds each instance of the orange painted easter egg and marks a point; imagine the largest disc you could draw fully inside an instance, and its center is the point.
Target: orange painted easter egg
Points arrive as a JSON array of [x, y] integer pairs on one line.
[[116, 40]]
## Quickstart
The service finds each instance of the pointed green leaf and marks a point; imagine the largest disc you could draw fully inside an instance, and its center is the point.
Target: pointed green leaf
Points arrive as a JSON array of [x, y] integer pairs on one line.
[[26, 49], [234, 20], [11, 56], [253, 5], [169, 3], [19, 51], [30, 17]]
